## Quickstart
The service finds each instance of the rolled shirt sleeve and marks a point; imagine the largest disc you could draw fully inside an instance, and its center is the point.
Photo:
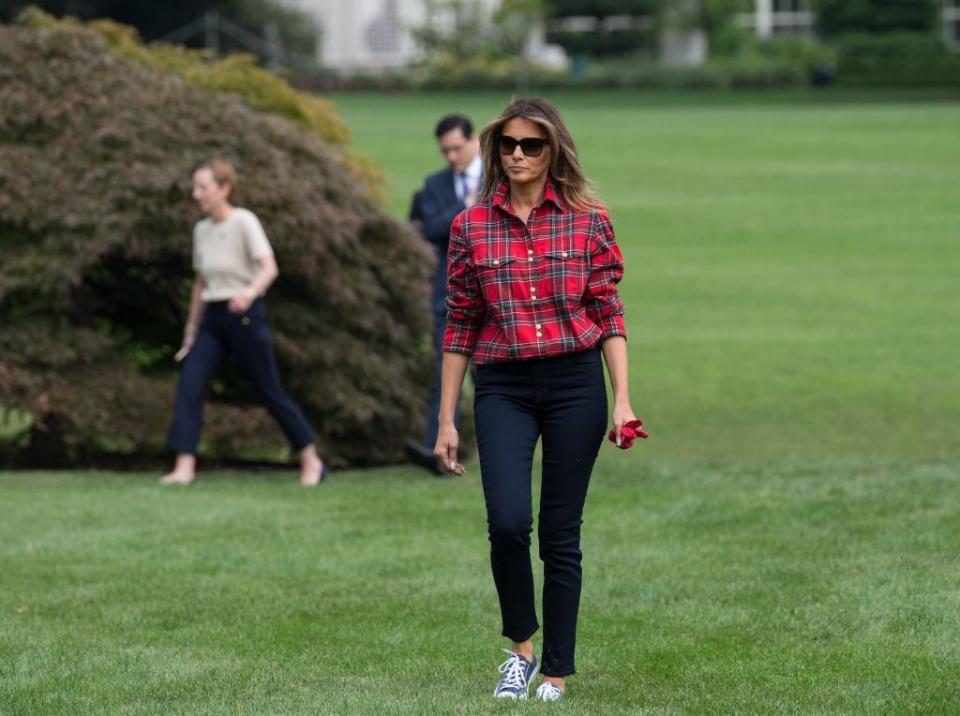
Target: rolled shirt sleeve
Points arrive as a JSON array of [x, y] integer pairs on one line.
[[258, 246], [602, 299], [465, 304]]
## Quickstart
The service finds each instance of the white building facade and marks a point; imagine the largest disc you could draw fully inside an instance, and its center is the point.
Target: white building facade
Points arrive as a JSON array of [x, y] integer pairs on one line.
[[365, 34], [378, 34]]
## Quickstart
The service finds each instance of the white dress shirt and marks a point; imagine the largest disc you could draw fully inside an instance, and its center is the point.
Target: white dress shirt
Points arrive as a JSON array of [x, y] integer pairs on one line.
[[469, 179]]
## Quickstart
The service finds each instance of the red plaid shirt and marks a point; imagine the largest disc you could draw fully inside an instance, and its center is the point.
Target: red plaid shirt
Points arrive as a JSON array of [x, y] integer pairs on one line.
[[517, 292]]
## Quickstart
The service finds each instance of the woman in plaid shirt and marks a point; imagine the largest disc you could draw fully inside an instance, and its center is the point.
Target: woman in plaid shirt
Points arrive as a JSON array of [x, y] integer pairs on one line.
[[532, 277]]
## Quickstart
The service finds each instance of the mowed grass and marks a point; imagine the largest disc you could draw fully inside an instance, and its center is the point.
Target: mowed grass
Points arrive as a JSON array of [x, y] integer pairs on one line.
[[785, 542], [773, 586], [791, 267]]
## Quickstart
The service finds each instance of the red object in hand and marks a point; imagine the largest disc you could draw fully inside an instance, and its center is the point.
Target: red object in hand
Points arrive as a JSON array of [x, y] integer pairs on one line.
[[628, 433]]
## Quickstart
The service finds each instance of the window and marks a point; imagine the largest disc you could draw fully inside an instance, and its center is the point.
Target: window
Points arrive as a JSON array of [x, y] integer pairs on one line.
[[792, 16], [951, 23], [773, 17], [385, 33]]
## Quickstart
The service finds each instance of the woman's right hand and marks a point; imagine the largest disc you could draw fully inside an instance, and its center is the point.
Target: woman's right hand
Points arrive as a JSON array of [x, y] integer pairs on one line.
[[448, 439], [185, 345]]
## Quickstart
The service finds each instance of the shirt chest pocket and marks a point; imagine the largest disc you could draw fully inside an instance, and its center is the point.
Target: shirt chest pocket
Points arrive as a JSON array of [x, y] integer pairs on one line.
[[495, 275], [567, 271]]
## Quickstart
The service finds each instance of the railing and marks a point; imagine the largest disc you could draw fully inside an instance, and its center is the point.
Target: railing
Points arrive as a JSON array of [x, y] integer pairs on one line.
[[212, 25]]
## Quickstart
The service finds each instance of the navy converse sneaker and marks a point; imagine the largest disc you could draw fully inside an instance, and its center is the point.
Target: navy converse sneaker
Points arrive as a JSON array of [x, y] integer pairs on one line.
[[517, 675]]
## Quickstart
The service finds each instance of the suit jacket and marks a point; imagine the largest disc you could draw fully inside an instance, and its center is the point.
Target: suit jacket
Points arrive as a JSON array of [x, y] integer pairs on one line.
[[438, 207]]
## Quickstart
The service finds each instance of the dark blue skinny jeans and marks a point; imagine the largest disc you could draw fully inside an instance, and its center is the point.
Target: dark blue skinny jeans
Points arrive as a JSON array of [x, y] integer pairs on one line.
[[247, 336], [562, 400]]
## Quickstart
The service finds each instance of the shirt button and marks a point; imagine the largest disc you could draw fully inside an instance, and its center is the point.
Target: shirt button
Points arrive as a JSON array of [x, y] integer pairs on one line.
[[245, 321], [563, 254], [538, 326], [539, 334], [530, 252], [533, 289], [496, 262]]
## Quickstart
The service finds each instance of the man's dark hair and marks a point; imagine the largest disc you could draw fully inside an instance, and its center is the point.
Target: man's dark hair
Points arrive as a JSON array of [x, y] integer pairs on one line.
[[451, 122]]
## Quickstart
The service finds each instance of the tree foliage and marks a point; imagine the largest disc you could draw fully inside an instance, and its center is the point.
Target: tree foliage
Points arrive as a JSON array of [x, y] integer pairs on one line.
[[711, 16], [619, 26], [96, 153], [465, 31], [840, 17], [601, 8], [235, 73], [154, 20]]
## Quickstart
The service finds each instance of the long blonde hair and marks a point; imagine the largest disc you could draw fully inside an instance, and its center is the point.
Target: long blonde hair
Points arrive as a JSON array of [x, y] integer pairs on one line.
[[568, 178]]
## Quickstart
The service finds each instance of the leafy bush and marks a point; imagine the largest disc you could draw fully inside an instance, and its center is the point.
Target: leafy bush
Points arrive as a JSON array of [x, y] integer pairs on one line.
[[842, 17], [781, 62], [888, 42], [296, 29], [601, 8], [785, 60], [601, 42], [896, 59], [444, 71], [96, 152], [237, 74]]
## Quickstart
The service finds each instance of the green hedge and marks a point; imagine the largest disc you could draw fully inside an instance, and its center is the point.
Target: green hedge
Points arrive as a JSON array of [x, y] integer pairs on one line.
[[836, 18], [601, 8], [782, 62], [896, 60], [602, 43]]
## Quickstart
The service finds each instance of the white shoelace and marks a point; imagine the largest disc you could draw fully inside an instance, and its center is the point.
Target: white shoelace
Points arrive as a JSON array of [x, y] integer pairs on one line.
[[549, 692], [513, 672]]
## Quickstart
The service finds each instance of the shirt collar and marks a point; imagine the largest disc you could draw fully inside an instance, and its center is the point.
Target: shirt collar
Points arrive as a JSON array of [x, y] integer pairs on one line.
[[475, 169], [550, 194], [501, 197]]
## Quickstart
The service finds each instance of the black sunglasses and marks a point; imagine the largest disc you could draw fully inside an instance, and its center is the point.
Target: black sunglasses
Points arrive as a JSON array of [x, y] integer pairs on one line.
[[531, 146]]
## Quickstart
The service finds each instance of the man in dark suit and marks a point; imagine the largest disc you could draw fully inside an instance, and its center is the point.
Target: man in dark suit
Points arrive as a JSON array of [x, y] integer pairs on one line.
[[444, 195]]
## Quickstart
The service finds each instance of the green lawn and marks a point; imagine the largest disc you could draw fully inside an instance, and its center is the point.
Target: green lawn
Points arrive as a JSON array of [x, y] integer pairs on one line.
[[792, 268], [774, 586], [785, 542]]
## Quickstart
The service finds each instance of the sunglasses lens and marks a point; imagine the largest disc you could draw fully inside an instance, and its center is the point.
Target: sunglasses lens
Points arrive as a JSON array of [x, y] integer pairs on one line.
[[532, 147], [507, 145]]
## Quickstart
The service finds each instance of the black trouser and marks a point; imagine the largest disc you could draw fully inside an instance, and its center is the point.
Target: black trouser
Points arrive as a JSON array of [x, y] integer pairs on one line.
[[564, 400], [248, 337]]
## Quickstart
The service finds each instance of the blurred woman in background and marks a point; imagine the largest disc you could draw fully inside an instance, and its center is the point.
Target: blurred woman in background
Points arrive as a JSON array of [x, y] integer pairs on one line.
[[234, 266]]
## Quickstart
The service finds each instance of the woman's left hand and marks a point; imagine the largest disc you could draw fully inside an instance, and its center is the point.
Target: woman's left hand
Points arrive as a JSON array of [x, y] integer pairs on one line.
[[242, 301], [622, 414]]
